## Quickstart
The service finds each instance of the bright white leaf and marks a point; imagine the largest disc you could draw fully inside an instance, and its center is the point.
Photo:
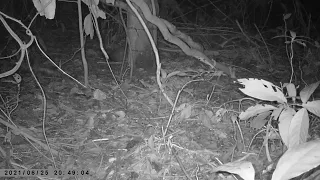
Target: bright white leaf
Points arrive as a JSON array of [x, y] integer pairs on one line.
[[101, 13], [298, 160], [262, 89], [242, 168], [313, 107], [292, 91], [285, 119], [45, 7], [88, 26], [306, 92], [254, 110], [299, 127]]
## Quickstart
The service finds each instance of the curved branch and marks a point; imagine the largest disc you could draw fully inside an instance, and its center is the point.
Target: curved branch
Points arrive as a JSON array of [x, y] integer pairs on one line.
[[188, 46], [23, 46]]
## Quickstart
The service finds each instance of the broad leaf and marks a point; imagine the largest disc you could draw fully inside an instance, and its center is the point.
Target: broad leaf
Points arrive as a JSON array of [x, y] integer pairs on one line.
[[307, 91], [298, 160], [88, 26], [259, 121], [292, 91], [243, 168], [285, 119], [262, 89], [45, 7], [313, 107], [299, 127], [254, 110]]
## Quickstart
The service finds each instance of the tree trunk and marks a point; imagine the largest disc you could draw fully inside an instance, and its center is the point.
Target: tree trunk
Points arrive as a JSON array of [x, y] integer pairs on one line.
[[142, 55]]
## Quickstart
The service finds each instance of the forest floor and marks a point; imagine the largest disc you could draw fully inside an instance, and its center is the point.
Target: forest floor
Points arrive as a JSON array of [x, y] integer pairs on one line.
[[128, 129]]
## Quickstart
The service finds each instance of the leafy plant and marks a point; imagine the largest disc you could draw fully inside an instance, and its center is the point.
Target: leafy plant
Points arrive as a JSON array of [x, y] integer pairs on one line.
[[293, 118]]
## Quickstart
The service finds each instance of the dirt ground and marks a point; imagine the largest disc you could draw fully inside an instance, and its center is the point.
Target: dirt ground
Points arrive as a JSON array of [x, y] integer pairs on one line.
[[128, 129]]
